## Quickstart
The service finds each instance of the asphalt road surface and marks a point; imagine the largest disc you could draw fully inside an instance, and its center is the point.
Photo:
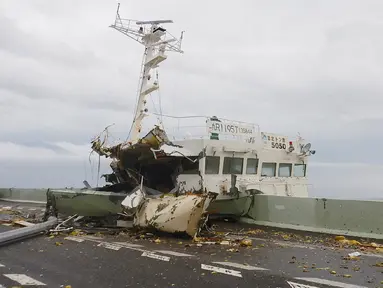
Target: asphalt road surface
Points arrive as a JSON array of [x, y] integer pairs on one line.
[[122, 261]]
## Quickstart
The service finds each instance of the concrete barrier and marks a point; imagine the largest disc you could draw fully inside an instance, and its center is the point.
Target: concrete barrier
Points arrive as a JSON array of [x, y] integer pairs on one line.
[[346, 217], [23, 195]]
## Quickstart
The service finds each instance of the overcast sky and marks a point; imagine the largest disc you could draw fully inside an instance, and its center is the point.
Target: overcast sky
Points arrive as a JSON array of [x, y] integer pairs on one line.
[[313, 67]]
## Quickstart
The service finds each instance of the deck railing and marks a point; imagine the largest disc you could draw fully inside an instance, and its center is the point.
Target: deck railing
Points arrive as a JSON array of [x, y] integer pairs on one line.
[[196, 127]]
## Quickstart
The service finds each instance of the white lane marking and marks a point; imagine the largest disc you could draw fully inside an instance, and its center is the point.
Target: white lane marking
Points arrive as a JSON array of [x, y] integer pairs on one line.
[[221, 270], [109, 246], [329, 282], [155, 256], [23, 279], [128, 245], [241, 266], [92, 238], [298, 285], [121, 244], [372, 255], [32, 209], [174, 253], [72, 238], [1, 265]]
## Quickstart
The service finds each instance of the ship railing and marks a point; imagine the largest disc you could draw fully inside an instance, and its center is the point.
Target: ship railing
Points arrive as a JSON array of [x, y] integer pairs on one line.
[[197, 127]]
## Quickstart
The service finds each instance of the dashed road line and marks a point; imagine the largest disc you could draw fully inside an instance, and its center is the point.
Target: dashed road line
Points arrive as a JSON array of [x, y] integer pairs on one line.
[[128, 245], [23, 279], [76, 239], [329, 282], [299, 285], [241, 266], [156, 256], [110, 246], [221, 270], [1, 265], [174, 253]]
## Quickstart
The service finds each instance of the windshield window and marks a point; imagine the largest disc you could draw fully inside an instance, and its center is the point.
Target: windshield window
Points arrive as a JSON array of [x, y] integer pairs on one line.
[[211, 165], [300, 170], [232, 165], [189, 167], [268, 169], [252, 166], [285, 169]]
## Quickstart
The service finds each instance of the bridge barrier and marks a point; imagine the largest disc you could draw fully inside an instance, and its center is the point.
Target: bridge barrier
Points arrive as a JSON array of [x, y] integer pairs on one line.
[[27, 195], [334, 216]]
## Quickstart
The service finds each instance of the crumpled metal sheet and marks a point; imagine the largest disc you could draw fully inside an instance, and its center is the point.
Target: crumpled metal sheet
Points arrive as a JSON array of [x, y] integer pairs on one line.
[[133, 200], [175, 150], [182, 214]]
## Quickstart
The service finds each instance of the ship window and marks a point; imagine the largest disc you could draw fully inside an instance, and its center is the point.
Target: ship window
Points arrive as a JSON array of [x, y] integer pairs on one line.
[[189, 167], [232, 165], [268, 169], [212, 164], [300, 170], [252, 166], [285, 169]]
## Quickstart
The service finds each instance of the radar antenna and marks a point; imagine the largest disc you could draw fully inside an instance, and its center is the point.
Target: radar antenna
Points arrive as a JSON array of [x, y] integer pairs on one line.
[[156, 41]]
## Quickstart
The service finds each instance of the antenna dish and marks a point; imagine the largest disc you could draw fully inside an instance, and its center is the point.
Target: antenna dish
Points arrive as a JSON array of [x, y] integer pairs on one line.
[[306, 148], [154, 22]]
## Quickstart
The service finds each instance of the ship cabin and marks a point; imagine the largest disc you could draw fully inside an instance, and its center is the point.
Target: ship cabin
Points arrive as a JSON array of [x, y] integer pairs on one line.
[[264, 164]]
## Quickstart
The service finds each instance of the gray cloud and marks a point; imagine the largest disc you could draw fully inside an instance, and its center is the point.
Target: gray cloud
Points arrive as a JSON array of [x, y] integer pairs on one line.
[[289, 66]]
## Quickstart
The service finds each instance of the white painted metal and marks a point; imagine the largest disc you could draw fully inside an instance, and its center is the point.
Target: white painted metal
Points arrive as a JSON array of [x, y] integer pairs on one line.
[[172, 214], [23, 279], [156, 41], [270, 185], [236, 139]]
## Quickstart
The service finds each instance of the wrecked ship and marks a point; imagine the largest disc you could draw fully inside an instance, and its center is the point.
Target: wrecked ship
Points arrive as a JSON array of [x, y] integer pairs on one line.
[[173, 184]]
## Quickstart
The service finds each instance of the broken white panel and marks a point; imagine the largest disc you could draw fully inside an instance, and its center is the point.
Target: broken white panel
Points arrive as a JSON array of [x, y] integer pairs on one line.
[[221, 270], [189, 183], [171, 150], [172, 214], [134, 199]]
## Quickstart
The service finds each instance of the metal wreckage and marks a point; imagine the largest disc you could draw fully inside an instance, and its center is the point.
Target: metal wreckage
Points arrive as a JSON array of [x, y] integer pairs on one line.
[[169, 187], [145, 187]]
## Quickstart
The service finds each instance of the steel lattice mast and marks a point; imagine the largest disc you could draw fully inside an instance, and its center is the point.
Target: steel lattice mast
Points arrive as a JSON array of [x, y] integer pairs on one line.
[[157, 41]]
